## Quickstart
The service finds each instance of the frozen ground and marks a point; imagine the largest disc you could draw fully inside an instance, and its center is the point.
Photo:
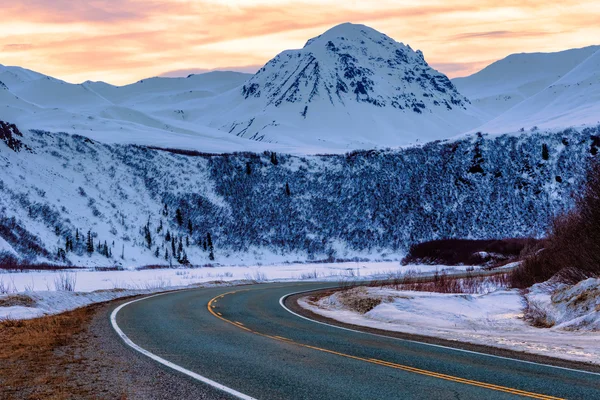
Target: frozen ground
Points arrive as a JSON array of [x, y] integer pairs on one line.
[[46, 287], [495, 319]]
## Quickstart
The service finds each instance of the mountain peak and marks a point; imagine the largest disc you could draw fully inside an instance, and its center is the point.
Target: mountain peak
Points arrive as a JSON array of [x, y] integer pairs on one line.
[[349, 69], [348, 31], [353, 63]]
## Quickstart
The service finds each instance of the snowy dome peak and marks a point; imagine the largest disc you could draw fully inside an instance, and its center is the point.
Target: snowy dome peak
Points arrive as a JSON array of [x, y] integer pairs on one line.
[[351, 33], [346, 67]]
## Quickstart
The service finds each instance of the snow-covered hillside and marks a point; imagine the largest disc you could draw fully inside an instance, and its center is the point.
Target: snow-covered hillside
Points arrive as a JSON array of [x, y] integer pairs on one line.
[[351, 87], [552, 90], [149, 112], [141, 206], [572, 100]]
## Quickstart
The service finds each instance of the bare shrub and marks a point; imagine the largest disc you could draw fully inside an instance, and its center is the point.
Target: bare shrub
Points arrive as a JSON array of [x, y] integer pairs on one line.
[[258, 276], [442, 283], [65, 281], [467, 252], [572, 250]]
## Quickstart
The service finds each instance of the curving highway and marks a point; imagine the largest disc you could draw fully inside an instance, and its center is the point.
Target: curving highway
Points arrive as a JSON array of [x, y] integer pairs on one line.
[[244, 342]]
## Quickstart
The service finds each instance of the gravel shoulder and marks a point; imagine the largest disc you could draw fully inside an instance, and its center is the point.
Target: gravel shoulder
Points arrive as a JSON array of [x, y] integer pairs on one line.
[[93, 363]]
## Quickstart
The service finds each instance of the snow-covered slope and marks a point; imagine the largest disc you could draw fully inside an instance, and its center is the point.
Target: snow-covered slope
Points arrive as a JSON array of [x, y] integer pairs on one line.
[[350, 87], [148, 112], [373, 204], [506, 83], [572, 100]]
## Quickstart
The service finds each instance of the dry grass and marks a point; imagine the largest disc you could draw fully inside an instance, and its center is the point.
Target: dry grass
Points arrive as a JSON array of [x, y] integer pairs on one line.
[[33, 362], [536, 316], [17, 300]]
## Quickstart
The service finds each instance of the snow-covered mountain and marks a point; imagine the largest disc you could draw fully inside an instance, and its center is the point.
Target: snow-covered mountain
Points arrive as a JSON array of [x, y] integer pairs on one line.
[[350, 87], [552, 90]]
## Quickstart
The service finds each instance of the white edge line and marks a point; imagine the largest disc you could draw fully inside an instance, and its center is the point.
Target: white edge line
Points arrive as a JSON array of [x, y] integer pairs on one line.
[[282, 299], [198, 377]]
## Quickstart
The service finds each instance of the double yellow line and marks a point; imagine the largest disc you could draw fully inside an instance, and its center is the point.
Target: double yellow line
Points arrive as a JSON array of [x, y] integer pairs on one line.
[[211, 306]]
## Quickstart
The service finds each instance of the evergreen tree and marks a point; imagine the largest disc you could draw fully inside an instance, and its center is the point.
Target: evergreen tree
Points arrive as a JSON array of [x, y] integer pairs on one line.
[[160, 227], [148, 235], [190, 227], [184, 259], [57, 230], [274, 158], [77, 235], [173, 248], [166, 210], [187, 241], [168, 236], [179, 217], [211, 255], [157, 252], [90, 243], [166, 254], [287, 189], [545, 152], [248, 168]]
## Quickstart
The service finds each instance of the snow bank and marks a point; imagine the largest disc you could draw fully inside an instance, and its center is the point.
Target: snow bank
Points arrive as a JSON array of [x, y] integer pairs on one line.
[[566, 307], [98, 286], [54, 302], [493, 319]]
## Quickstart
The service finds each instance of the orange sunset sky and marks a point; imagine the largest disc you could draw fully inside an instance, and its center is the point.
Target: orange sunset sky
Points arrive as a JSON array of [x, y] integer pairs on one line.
[[122, 41]]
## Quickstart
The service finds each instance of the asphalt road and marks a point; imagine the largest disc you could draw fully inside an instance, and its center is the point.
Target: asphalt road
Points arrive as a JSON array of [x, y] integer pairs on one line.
[[242, 338]]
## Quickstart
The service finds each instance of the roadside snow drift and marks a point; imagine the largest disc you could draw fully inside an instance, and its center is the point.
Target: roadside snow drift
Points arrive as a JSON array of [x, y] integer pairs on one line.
[[493, 319]]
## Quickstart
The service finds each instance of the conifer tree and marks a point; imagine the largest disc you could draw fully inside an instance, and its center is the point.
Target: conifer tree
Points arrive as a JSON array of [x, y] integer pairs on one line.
[[184, 259], [211, 255], [157, 252], [179, 217], [90, 243], [168, 236], [287, 189], [148, 235], [274, 158], [545, 152], [190, 227], [248, 168]]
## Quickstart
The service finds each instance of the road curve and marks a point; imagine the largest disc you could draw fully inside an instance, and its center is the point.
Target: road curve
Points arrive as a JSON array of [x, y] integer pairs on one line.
[[241, 338]]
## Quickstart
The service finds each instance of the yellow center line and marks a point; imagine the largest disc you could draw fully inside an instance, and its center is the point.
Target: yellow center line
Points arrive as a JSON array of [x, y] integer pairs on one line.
[[388, 364]]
